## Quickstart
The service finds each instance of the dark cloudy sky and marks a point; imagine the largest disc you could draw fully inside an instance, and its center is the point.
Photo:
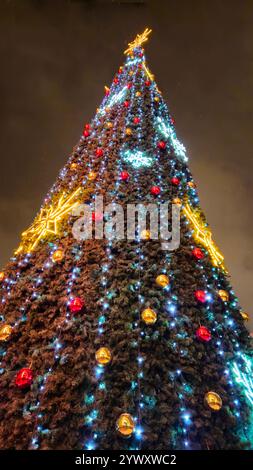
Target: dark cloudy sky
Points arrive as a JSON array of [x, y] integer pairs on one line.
[[56, 57]]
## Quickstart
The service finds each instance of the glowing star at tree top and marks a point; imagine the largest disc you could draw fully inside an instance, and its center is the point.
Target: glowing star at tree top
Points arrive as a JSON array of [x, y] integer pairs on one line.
[[48, 220], [139, 40], [203, 235]]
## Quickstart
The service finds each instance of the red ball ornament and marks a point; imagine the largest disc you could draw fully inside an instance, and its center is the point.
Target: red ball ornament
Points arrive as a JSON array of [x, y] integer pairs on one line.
[[116, 80], [86, 133], [175, 181], [200, 295], [155, 190], [87, 126], [203, 334], [76, 305], [198, 253], [162, 145], [124, 176], [172, 121], [129, 85], [147, 83], [97, 216], [126, 104], [136, 120], [24, 378], [99, 152]]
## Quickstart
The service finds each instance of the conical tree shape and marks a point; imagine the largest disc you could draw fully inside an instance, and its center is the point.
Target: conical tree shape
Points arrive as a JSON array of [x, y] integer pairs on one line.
[[176, 368]]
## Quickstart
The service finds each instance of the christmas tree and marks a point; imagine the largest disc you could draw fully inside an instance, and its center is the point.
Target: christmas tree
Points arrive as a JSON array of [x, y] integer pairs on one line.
[[123, 344]]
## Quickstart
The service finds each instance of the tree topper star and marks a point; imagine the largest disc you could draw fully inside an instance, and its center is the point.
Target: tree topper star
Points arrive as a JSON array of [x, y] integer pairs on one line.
[[139, 40]]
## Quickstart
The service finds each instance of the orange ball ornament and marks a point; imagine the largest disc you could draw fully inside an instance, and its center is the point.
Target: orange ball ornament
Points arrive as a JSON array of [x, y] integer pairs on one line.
[[58, 255], [103, 356], [125, 425], [92, 176], [213, 400], [245, 316], [149, 316], [177, 201], [128, 131], [162, 280], [224, 295], [2, 276], [145, 234], [5, 332]]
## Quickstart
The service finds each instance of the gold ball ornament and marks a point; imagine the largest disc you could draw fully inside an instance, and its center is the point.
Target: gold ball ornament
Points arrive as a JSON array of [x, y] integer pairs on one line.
[[138, 93], [162, 280], [5, 332], [2, 276], [131, 72], [103, 356], [149, 316], [213, 400], [128, 131], [125, 425], [109, 125], [156, 98], [92, 176], [245, 316], [145, 234], [58, 255], [224, 295], [191, 184], [73, 166], [177, 201]]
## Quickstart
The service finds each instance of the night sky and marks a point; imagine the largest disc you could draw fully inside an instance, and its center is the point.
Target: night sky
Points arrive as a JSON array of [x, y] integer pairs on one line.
[[56, 57]]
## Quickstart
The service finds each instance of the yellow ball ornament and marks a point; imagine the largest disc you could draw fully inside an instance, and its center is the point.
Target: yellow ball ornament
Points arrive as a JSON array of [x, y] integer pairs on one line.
[[128, 131], [58, 255], [162, 280], [213, 400], [191, 184], [156, 98], [149, 316], [2, 276], [92, 176], [103, 356], [73, 166], [5, 332], [138, 93], [244, 315], [109, 125], [145, 234], [125, 425], [224, 295]]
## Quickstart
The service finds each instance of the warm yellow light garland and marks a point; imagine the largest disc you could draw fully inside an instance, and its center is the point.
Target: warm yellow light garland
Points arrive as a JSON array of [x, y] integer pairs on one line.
[[203, 235]]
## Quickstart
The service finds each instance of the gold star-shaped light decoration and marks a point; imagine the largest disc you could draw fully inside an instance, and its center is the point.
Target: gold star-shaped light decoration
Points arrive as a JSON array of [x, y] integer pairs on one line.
[[203, 235], [48, 221], [139, 40]]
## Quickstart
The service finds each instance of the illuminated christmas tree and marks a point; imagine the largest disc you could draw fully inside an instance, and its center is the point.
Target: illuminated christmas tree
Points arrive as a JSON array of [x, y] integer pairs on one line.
[[122, 344]]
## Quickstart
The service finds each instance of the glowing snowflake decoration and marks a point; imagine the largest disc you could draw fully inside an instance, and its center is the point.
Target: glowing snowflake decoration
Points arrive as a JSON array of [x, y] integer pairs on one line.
[[137, 158], [245, 379], [168, 132]]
